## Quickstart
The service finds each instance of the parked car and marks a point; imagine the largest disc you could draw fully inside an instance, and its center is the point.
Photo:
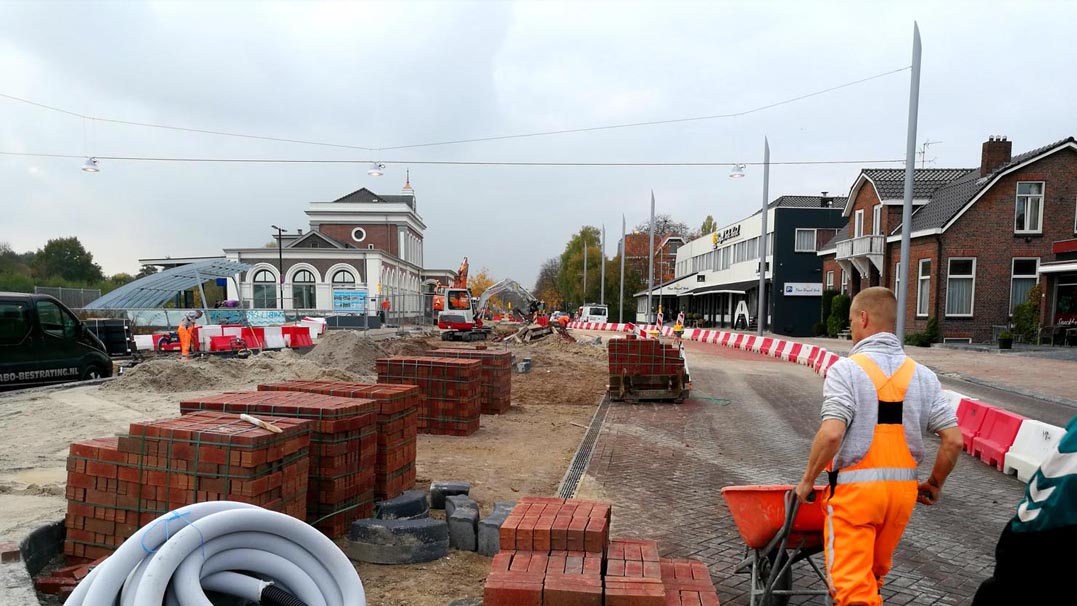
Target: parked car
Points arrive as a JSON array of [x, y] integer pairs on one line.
[[42, 342], [593, 313]]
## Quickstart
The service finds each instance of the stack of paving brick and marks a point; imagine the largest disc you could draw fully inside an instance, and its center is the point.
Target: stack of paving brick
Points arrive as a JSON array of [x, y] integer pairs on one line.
[[398, 426], [116, 485], [645, 360], [496, 393], [343, 448], [558, 553], [450, 388]]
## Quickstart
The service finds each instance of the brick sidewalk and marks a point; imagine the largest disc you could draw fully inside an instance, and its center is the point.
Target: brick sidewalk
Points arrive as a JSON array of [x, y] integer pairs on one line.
[[663, 466]]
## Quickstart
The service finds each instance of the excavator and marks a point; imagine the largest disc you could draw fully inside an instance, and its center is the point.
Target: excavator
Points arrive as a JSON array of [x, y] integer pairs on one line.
[[460, 315]]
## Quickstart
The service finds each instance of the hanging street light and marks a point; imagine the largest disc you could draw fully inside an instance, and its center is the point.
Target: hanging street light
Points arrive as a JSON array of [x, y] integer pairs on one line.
[[376, 169], [90, 166], [737, 172]]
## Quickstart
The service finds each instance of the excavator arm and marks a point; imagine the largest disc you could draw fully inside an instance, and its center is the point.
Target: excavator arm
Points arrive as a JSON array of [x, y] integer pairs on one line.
[[506, 285]]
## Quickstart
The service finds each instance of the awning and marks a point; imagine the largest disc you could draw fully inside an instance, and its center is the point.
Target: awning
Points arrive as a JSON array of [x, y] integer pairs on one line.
[[711, 291], [157, 289], [730, 288], [1058, 267], [678, 287]]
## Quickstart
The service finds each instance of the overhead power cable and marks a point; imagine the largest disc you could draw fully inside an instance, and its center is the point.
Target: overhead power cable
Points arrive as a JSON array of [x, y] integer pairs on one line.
[[457, 141], [438, 162]]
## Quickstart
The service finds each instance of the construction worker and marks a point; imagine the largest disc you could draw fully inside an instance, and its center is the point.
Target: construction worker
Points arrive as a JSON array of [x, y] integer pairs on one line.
[[877, 404], [563, 322], [1028, 564], [678, 329], [186, 331]]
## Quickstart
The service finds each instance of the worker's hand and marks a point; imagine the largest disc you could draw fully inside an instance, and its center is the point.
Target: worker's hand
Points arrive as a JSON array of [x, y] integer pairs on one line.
[[804, 490], [928, 493]]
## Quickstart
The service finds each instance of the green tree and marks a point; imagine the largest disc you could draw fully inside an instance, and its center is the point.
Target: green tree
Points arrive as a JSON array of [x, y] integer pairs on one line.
[[546, 286], [570, 275], [67, 260], [146, 270], [664, 225], [708, 226], [115, 281], [839, 315]]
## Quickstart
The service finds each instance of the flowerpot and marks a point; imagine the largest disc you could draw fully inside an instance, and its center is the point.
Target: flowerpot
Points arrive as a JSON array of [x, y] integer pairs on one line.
[[1005, 343]]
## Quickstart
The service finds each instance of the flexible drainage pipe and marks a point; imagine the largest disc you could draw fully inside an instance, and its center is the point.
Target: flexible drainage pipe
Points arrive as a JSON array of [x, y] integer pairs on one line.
[[179, 556]]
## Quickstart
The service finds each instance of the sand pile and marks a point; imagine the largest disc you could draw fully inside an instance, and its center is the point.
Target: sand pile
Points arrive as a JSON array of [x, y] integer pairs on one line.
[[585, 347], [175, 375], [348, 350]]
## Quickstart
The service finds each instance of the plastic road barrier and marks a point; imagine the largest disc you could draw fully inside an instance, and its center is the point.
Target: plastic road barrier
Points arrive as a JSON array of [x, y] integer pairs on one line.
[[1035, 440], [996, 436]]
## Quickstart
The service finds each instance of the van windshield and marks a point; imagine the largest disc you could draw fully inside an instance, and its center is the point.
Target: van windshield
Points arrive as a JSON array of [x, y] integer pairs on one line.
[[598, 311]]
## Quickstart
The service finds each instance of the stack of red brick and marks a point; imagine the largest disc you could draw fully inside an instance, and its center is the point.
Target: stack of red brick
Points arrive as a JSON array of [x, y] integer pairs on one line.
[[116, 485], [496, 393], [62, 582], [397, 427], [343, 448], [558, 553], [647, 361], [450, 403]]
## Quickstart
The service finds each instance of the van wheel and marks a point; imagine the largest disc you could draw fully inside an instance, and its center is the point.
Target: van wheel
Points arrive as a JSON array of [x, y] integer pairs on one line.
[[91, 373]]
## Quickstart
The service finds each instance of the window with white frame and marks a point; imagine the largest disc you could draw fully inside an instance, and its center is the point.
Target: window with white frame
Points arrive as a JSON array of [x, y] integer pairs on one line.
[[960, 287], [858, 223], [830, 280], [897, 277], [805, 241], [1024, 275], [877, 220], [844, 281], [1028, 216], [923, 288]]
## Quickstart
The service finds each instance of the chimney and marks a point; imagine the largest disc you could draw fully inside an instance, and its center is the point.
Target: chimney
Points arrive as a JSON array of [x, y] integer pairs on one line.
[[824, 201], [996, 152], [299, 231]]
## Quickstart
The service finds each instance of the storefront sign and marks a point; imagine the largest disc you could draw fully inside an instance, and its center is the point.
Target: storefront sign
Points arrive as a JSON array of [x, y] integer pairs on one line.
[[803, 289], [725, 235], [350, 300]]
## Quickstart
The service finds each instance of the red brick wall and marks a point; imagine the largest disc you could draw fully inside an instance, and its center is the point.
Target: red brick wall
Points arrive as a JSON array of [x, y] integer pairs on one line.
[[383, 237], [985, 231], [866, 199], [920, 248]]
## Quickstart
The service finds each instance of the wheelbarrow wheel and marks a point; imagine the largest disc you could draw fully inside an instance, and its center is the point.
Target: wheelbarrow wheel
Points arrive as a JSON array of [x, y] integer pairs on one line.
[[784, 581]]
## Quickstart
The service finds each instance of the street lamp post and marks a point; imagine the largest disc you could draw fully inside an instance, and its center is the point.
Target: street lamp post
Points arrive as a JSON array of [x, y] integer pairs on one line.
[[760, 324], [280, 266]]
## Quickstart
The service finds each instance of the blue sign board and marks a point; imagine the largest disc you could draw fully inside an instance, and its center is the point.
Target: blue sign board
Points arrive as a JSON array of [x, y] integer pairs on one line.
[[350, 300]]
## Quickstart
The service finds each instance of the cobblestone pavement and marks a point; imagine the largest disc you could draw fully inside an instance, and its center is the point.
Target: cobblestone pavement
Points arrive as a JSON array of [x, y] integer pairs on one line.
[[751, 421]]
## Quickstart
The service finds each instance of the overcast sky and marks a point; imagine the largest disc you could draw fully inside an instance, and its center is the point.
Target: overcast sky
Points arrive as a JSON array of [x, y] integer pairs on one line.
[[391, 73]]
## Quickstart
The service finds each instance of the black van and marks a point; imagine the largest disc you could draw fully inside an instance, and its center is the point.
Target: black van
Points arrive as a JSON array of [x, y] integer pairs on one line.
[[42, 342]]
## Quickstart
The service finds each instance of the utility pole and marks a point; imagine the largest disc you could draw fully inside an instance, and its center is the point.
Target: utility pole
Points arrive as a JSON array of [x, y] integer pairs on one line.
[[583, 238], [602, 257], [621, 305], [280, 266], [761, 318], [910, 170], [650, 267]]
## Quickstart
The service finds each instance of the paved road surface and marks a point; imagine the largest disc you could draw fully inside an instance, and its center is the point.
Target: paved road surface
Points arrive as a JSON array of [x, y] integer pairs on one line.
[[663, 466]]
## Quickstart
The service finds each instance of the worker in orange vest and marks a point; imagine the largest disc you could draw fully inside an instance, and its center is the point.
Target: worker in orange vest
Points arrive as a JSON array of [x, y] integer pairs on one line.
[[185, 330], [877, 405], [385, 309]]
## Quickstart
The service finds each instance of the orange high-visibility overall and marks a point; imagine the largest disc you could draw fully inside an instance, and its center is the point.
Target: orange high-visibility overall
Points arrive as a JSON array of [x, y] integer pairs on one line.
[[870, 502], [185, 339]]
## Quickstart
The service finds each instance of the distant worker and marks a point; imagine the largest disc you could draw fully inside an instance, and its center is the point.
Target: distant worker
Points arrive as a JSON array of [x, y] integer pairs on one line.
[[186, 331], [678, 330], [563, 321], [385, 306], [877, 404], [1029, 565]]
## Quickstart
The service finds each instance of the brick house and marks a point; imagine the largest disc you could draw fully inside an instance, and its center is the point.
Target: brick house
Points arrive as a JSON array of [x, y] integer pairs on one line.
[[637, 249], [978, 237]]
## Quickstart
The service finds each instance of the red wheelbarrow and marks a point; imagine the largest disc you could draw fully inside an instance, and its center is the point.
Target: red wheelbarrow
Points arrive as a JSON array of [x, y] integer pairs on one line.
[[777, 533]]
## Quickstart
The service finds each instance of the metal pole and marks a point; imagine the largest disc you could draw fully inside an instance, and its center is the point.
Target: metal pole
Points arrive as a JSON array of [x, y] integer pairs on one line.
[[602, 260], [761, 318], [650, 266], [910, 169], [621, 306], [280, 267], [583, 238]]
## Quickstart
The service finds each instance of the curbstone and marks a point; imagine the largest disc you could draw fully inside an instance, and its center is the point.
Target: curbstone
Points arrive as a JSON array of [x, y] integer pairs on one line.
[[440, 490], [397, 541], [452, 503], [409, 506], [489, 536], [462, 529]]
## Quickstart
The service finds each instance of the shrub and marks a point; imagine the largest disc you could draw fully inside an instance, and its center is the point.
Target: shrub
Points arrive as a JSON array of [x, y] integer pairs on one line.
[[828, 298], [839, 315], [926, 338], [818, 329], [1026, 316]]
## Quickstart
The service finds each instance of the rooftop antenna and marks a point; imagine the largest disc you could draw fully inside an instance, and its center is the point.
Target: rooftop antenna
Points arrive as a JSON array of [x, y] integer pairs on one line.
[[923, 152]]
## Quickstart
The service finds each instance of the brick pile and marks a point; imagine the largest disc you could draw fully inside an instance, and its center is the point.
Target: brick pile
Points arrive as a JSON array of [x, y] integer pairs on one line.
[[343, 448], [450, 403], [557, 552], [496, 393], [117, 485], [643, 358], [397, 428]]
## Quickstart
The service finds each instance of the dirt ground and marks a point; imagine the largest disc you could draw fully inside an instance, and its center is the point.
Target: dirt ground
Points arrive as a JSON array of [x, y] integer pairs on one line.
[[523, 452]]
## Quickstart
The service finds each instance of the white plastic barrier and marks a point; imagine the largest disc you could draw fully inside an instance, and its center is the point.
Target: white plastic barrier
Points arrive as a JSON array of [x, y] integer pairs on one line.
[[316, 326], [232, 331], [144, 342], [207, 331], [1034, 442], [274, 338]]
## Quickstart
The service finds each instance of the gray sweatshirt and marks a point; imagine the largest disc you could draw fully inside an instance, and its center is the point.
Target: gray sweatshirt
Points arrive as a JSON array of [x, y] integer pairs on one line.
[[849, 396]]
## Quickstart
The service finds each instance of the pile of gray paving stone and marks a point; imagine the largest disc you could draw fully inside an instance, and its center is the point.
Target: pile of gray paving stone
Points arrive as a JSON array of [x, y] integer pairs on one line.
[[403, 532]]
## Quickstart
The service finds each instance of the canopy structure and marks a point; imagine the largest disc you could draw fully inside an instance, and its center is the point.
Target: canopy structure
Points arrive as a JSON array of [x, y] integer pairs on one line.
[[674, 288], [158, 289]]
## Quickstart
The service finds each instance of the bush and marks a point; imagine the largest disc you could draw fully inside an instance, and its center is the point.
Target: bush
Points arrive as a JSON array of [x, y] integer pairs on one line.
[[932, 332], [926, 338], [828, 299], [818, 329], [839, 315], [1026, 316]]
